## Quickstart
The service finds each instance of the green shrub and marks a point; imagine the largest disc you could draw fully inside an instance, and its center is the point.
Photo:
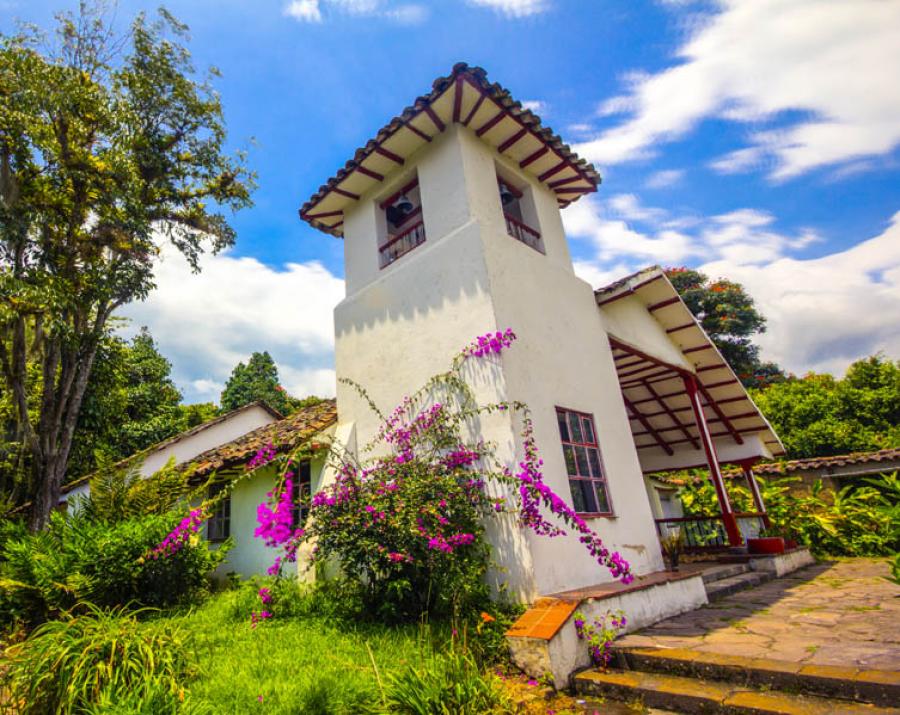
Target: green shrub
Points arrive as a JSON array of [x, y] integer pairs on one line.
[[861, 519], [445, 683], [97, 659], [78, 559]]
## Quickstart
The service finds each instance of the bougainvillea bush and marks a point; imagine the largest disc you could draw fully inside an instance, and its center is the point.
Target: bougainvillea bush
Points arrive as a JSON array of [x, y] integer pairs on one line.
[[407, 520]]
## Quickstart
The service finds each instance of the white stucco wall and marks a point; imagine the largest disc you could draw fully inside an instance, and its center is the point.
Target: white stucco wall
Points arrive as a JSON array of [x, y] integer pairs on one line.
[[399, 326], [250, 556]]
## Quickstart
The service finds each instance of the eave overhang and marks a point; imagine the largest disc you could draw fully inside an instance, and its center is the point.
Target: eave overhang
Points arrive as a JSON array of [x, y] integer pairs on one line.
[[463, 97]]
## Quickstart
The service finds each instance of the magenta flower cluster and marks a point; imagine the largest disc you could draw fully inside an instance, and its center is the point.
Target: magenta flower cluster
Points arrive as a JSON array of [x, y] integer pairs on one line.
[[179, 536], [490, 343], [600, 635], [262, 457], [276, 526]]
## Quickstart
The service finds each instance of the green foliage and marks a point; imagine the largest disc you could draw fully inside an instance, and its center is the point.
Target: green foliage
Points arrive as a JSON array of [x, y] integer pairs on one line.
[[819, 415], [858, 520], [314, 657], [97, 662], [895, 570], [377, 525], [730, 318], [77, 559], [443, 683], [255, 381], [108, 146]]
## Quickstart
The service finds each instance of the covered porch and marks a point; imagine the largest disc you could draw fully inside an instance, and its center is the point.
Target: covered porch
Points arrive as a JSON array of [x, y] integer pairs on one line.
[[685, 405]]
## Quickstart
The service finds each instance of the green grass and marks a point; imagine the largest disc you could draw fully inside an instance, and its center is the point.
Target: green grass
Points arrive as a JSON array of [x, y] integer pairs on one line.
[[297, 664]]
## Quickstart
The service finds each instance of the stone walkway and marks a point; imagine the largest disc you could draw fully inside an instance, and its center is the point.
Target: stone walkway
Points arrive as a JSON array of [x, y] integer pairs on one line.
[[840, 613]]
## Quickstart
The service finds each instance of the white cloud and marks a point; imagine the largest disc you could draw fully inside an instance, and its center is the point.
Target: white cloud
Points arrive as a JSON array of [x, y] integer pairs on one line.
[[304, 10], [664, 179], [822, 313], [312, 10], [826, 312], [205, 387], [738, 161], [536, 106], [514, 8], [827, 63], [208, 322]]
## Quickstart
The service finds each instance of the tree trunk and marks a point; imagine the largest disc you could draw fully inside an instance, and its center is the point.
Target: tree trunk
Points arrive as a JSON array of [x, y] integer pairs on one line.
[[56, 428]]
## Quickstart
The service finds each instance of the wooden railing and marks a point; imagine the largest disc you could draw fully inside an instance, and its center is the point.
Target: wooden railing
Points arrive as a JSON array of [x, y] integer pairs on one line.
[[523, 233], [401, 243], [707, 533]]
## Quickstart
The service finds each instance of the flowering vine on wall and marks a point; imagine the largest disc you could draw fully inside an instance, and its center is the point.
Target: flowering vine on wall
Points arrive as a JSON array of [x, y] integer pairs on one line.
[[409, 524]]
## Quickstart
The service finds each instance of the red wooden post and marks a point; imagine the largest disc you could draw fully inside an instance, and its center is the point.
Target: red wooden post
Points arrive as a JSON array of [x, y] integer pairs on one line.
[[747, 467], [715, 473]]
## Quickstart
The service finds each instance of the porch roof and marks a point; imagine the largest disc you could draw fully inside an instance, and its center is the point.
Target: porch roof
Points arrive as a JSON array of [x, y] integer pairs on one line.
[[655, 395], [465, 97]]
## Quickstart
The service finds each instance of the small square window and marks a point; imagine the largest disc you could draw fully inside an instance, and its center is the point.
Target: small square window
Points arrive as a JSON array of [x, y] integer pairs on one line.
[[403, 228], [512, 200], [584, 467]]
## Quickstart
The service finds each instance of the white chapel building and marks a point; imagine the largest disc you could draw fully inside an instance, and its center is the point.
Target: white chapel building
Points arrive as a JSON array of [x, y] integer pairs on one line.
[[450, 218]]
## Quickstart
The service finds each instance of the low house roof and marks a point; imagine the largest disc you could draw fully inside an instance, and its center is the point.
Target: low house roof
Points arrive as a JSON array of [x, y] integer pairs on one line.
[[464, 97], [284, 435], [654, 392], [181, 436], [842, 460]]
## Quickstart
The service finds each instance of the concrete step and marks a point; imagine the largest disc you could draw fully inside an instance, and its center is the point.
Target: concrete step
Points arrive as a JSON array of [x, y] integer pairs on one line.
[[718, 573], [733, 584], [879, 687], [690, 695]]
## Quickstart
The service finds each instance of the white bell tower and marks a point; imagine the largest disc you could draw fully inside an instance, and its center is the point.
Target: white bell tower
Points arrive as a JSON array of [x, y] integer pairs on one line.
[[452, 228]]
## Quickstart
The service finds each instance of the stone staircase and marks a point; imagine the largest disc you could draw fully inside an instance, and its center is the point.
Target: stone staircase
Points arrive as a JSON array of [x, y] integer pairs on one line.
[[688, 681], [728, 578]]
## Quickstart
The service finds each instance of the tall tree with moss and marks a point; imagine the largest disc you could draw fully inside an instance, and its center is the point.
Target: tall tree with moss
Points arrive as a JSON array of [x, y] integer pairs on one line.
[[110, 146], [729, 316], [257, 381]]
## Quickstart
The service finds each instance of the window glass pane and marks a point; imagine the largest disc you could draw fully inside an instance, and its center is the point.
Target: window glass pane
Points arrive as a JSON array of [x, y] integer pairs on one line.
[[590, 501], [577, 495], [569, 453], [594, 459], [582, 461], [575, 424], [602, 499], [563, 427], [588, 430]]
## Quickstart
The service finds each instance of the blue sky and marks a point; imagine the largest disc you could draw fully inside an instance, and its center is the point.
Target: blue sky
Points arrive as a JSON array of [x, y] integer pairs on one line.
[[757, 139]]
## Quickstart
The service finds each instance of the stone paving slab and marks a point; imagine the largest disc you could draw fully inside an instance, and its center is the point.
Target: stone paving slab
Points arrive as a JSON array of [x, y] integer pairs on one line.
[[839, 613]]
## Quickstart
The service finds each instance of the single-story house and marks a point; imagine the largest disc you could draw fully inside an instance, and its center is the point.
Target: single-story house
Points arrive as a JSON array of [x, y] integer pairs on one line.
[[185, 446]]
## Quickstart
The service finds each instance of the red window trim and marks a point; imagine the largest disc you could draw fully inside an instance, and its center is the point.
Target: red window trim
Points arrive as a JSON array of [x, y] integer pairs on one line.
[[604, 480]]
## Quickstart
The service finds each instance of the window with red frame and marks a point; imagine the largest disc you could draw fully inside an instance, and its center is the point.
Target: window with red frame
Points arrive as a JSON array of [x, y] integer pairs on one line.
[[587, 480]]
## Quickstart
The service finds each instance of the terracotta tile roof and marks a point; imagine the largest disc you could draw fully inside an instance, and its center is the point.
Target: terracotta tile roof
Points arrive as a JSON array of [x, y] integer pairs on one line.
[[465, 97], [285, 434], [841, 460]]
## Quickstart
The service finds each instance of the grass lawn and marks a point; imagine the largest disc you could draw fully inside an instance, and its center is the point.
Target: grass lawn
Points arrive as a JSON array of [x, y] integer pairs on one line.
[[293, 664]]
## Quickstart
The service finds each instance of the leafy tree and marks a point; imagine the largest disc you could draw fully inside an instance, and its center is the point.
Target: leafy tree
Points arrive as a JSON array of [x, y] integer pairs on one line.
[[255, 381], [730, 318], [818, 415], [109, 146], [197, 414]]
